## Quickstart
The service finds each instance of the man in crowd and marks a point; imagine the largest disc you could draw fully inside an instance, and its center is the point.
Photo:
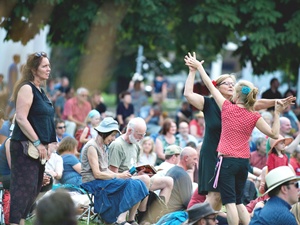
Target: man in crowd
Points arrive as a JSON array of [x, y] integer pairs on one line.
[[183, 188], [202, 214], [283, 190], [172, 154], [124, 152], [184, 136], [76, 110]]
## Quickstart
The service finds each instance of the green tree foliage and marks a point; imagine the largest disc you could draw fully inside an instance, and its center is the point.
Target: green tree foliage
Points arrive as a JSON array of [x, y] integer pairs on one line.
[[107, 31]]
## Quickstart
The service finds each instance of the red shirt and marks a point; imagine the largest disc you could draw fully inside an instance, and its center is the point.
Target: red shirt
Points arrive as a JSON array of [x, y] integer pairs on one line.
[[275, 161], [237, 126], [296, 165], [258, 160], [78, 112], [200, 130]]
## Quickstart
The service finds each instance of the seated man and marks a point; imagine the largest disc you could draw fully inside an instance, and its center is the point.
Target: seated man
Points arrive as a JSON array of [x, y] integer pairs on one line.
[[172, 154], [283, 190], [183, 188], [124, 152]]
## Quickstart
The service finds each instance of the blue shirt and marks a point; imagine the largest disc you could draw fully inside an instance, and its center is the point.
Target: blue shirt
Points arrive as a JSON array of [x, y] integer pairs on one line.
[[275, 212], [70, 176]]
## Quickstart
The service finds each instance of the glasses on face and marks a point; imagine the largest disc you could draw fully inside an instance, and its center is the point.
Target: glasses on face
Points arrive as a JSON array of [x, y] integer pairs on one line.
[[227, 83], [296, 184], [211, 218], [40, 54], [84, 95], [139, 134], [61, 127]]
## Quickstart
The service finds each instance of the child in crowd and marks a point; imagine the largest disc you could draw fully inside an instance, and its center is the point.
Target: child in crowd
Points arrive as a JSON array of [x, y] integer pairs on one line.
[[92, 120], [277, 156], [147, 155]]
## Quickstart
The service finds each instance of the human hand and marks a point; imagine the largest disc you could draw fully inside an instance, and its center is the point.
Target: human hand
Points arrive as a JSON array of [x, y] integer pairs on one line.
[[279, 106], [43, 152], [46, 179], [191, 61], [290, 100], [124, 175]]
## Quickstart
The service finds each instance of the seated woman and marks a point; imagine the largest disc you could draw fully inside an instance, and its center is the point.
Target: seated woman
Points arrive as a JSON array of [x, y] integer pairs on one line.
[[112, 190], [72, 167]]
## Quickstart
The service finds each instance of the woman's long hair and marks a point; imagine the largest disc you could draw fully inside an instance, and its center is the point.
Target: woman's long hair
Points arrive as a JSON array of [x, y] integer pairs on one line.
[[33, 62]]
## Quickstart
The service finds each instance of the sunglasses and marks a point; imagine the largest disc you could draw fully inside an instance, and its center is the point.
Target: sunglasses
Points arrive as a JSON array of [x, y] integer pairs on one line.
[[40, 54], [296, 184], [211, 218], [62, 127]]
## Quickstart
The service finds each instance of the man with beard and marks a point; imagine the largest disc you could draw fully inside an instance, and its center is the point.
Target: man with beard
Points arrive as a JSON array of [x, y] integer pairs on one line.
[[124, 153]]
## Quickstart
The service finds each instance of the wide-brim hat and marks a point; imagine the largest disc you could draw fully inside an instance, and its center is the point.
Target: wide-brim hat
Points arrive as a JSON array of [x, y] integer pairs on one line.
[[198, 211], [274, 142], [279, 176], [107, 125]]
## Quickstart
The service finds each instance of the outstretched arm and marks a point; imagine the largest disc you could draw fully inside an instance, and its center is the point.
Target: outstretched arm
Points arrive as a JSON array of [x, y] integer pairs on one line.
[[193, 98], [193, 62], [267, 103]]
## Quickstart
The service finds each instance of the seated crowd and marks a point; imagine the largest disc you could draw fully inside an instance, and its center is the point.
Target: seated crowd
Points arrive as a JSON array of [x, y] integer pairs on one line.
[[96, 152]]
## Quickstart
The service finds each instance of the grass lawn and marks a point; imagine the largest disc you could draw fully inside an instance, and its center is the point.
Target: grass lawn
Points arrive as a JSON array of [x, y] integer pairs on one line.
[[81, 222]]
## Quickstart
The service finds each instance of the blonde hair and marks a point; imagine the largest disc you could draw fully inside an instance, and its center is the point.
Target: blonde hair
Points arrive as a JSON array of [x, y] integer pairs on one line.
[[67, 144], [223, 77], [148, 139], [247, 93], [91, 115], [296, 211]]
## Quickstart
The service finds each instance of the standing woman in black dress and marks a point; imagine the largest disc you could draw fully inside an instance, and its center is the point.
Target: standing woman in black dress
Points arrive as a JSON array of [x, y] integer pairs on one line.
[[34, 123]]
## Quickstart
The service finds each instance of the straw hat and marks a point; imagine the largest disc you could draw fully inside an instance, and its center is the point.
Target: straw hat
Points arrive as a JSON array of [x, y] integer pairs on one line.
[[274, 142], [198, 211], [278, 176]]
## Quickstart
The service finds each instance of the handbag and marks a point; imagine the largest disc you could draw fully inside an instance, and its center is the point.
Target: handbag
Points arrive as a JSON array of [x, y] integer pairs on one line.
[[30, 150]]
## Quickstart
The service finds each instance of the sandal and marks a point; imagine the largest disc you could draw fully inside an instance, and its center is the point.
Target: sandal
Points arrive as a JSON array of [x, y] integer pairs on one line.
[[132, 222]]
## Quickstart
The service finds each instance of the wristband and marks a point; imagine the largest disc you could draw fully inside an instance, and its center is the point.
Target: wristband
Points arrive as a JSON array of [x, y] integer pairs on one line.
[[36, 143]]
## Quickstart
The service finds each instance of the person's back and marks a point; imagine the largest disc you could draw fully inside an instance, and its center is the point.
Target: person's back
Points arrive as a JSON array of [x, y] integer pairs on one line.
[[182, 189]]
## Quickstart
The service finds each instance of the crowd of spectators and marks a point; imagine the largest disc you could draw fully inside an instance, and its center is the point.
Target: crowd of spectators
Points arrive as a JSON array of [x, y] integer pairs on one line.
[[140, 132]]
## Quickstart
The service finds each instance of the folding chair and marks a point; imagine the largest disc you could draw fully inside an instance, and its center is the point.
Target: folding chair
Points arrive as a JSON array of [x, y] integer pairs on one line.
[[87, 212]]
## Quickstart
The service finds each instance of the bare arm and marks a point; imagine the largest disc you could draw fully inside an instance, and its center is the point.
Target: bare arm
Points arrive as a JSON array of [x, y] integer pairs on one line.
[[193, 98], [83, 135], [273, 131], [114, 169], [292, 147], [77, 167], [93, 161], [193, 62], [23, 105], [267, 103], [159, 149]]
